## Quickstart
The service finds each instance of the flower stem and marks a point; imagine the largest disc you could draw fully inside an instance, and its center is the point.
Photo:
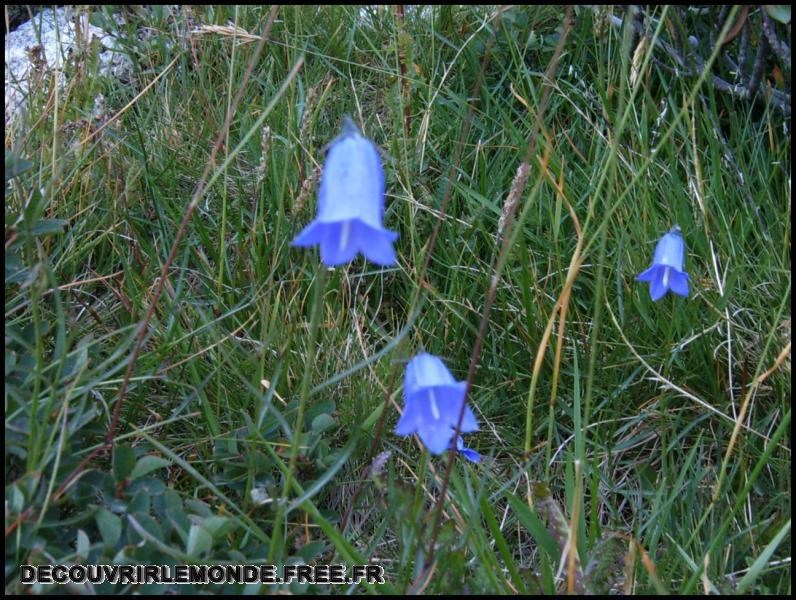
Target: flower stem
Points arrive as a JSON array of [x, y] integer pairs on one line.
[[317, 309]]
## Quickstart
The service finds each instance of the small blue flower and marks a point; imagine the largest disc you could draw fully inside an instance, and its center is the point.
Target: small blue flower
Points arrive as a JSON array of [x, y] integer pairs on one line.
[[668, 267], [469, 454], [350, 204], [432, 403]]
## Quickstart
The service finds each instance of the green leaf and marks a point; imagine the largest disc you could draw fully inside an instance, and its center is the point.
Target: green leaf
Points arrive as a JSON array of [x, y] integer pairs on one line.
[[16, 272], [140, 503], [316, 486], [15, 165], [311, 551], [17, 502], [502, 545], [48, 226], [322, 423], [199, 541], [83, 544], [147, 464], [762, 561], [534, 525], [218, 526], [149, 485], [779, 12], [145, 522], [110, 527], [123, 462]]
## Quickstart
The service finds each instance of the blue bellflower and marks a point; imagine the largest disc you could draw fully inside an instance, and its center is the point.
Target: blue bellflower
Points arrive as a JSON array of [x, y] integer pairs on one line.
[[350, 204], [433, 401], [468, 453], [668, 267]]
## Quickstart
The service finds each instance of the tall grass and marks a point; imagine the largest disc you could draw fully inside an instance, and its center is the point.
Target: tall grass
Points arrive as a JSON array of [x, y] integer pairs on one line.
[[628, 445]]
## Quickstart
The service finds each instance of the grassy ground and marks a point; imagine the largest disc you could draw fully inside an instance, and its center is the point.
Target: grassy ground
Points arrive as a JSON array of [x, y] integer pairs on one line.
[[633, 446]]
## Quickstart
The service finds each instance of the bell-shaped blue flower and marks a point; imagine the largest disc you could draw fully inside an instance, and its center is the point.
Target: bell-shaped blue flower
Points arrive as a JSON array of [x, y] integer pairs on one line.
[[468, 453], [350, 204], [668, 267], [432, 403]]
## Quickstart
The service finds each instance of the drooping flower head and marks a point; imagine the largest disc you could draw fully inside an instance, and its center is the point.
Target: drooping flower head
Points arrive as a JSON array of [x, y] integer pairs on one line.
[[432, 403], [350, 204], [468, 453], [668, 267]]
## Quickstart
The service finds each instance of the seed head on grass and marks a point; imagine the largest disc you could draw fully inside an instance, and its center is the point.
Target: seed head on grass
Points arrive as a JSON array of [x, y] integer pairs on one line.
[[262, 168], [513, 198]]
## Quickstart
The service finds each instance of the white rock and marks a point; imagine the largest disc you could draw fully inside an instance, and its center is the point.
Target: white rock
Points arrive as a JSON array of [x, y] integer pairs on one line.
[[55, 31]]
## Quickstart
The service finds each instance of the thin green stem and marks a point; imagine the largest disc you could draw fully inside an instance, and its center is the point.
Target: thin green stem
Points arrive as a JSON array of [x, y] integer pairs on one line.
[[308, 367]]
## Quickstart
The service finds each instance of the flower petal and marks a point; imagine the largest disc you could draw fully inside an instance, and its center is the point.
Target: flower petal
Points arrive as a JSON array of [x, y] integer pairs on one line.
[[435, 433], [471, 455], [425, 371], [410, 420], [311, 235], [351, 204], [647, 275], [376, 245], [670, 250], [340, 244], [433, 402], [668, 267], [469, 422], [678, 283], [658, 286], [352, 184]]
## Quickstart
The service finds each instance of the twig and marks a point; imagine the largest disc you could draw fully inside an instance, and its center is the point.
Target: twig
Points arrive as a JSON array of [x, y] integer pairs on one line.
[[757, 71], [779, 47], [737, 28], [779, 99], [743, 49]]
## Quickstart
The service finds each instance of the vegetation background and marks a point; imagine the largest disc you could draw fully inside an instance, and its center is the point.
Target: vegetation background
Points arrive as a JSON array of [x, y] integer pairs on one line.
[[629, 446]]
